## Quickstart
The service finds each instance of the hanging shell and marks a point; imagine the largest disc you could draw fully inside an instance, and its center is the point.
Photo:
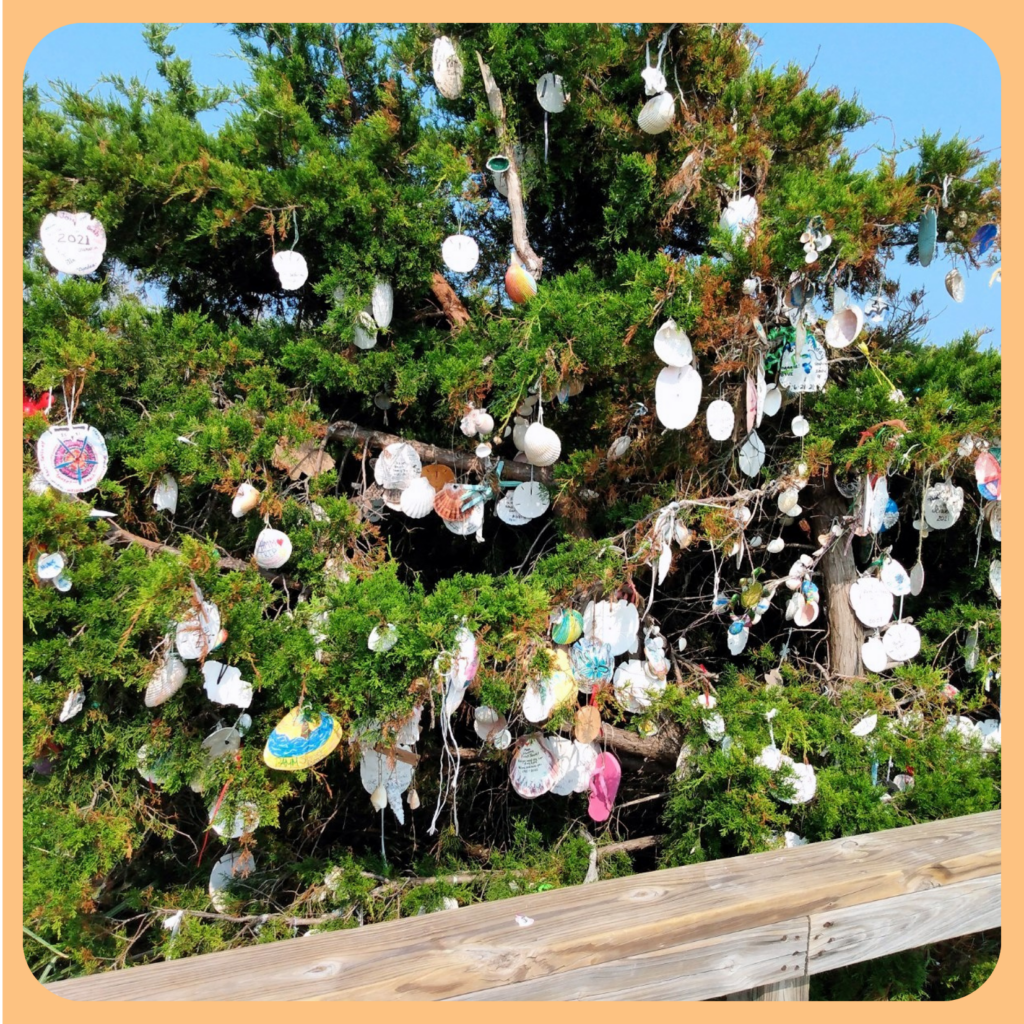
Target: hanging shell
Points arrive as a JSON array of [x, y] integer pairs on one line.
[[955, 285], [844, 326], [872, 601], [926, 236], [167, 681], [165, 497], [448, 503], [291, 269], [460, 253], [73, 243], [531, 499], [398, 466], [568, 628], [872, 653], [788, 500], [541, 445], [995, 578], [618, 448], [751, 457], [739, 217], [551, 93], [943, 504], [382, 639], [658, 114], [772, 401], [721, 418], [508, 513], [382, 303], [418, 499], [473, 523], [672, 345], [364, 333], [273, 549], [800, 426], [245, 500], [520, 284], [654, 81], [902, 642], [379, 798], [448, 69], [677, 395]]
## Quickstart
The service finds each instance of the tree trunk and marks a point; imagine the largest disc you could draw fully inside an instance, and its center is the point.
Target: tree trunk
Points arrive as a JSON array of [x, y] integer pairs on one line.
[[838, 571]]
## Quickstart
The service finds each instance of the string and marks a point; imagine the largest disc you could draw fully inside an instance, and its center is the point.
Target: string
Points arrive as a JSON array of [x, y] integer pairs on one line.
[[295, 221], [545, 135]]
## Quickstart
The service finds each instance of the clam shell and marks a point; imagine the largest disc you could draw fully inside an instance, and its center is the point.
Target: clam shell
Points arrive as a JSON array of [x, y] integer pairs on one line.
[[245, 819], [614, 624], [751, 457], [398, 466], [460, 253], [843, 326], [165, 497], [520, 284], [721, 418], [167, 681], [382, 638], [245, 500], [273, 549], [418, 499], [788, 500], [955, 285], [364, 333], [677, 395], [447, 68], [995, 578], [658, 113], [448, 503], [541, 445], [551, 93], [383, 303], [672, 345], [291, 269], [800, 426]]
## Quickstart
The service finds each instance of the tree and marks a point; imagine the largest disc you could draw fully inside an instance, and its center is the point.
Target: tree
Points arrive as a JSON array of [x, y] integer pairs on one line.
[[344, 150]]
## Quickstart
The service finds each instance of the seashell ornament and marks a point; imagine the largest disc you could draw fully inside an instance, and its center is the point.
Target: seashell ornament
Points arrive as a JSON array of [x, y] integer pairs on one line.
[[73, 243], [447, 68], [165, 497], [398, 466], [721, 418], [677, 395], [245, 500], [460, 253], [291, 269], [672, 346], [739, 218], [167, 681], [448, 503], [417, 499], [657, 114], [520, 284], [541, 445], [273, 549], [383, 303], [955, 285]]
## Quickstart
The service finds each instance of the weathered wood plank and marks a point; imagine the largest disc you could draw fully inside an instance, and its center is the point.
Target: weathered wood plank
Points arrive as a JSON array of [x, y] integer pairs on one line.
[[439, 956], [695, 970], [791, 990], [853, 934]]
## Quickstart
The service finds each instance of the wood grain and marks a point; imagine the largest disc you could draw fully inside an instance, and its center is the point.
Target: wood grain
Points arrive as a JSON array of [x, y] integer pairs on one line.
[[440, 956], [791, 990]]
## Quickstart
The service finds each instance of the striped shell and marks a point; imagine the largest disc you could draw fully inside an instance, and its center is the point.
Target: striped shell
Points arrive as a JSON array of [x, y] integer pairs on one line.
[[418, 499], [568, 629], [448, 503], [658, 113], [541, 445], [167, 681]]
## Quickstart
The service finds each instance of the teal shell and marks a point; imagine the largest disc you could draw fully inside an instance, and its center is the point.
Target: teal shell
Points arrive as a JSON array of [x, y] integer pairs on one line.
[[569, 629], [926, 236]]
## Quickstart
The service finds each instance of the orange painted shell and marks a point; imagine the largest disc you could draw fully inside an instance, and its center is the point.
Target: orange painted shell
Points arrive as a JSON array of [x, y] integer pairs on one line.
[[519, 284], [448, 503]]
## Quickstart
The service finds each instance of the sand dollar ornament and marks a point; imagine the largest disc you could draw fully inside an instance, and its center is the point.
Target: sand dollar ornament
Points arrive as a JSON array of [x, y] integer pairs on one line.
[[507, 512], [895, 577], [871, 601], [460, 253], [72, 459], [533, 769], [291, 269], [273, 549], [551, 94], [531, 499], [592, 663], [902, 642], [721, 419], [677, 394], [616, 624], [73, 243], [943, 504], [300, 740]]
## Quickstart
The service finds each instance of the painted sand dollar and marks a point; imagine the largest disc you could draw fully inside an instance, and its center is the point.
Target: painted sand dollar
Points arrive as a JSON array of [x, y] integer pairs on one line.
[[73, 243], [72, 459], [301, 740]]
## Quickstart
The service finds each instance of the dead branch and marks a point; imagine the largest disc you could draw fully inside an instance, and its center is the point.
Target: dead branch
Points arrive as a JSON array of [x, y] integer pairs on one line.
[[451, 304]]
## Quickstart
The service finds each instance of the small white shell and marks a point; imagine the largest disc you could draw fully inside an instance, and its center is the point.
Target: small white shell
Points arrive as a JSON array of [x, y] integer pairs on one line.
[[800, 426], [772, 401], [620, 445], [379, 798], [775, 545], [364, 333], [788, 500], [291, 269], [955, 285], [751, 457], [224, 684], [418, 498], [383, 303], [273, 549], [672, 345], [460, 253], [72, 706], [165, 497], [541, 445], [658, 113], [447, 67], [721, 418], [739, 217], [245, 500], [167, 681], [654, 81], [843, 326]]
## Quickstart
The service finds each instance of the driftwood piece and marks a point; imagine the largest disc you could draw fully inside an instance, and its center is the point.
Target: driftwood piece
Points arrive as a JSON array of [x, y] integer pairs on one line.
[[663, 748], [451, 304]]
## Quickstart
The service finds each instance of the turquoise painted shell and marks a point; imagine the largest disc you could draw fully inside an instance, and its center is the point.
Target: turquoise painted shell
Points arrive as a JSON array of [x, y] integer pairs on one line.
[[568, 629]]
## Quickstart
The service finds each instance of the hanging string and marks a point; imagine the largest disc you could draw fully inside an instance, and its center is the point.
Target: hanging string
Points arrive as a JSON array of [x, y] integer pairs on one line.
[[545, 136], [295, 220]]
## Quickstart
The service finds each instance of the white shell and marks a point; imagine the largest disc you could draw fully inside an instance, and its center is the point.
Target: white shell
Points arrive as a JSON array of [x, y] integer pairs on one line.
[[619, 446], [73, 243], [995, 578], [167, 681], [364, 333], [230, 867], [677, 396], [576, 764], [49, 565], [807, 613], [196, 636], [865, 726], [721, 419], [488, 723], [541, 445], [751, 457], [739, 217], [775, 545], [672, 345], [902, 641], [844, 326], [551, 93], [658, 113], [533, 770], [955, 285], [418, 498], [460, 253], [273, 549], [872, 601], [788, 500], [614, 624], [165, 497], [382, 639], [291, 269], [737, 642], [804, 785], [383, 303], [654, 81], [995, 519], [519, 434], [800, 426], [895, 577], [772, 401], [872, 653], [531, 499], [379, 798], [224, 684], [245, 819], [245, 500], [72, 705], [447, 69], [508, 513], [634, 686], [942, 505], [398, 466], [917, 579]]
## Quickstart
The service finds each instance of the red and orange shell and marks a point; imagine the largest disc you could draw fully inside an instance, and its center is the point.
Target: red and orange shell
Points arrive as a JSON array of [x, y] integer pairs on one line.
[[448, 503], [519, 284]]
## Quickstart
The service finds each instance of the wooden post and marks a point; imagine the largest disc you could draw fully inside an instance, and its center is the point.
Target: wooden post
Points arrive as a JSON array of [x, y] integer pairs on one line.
[[790, 990]]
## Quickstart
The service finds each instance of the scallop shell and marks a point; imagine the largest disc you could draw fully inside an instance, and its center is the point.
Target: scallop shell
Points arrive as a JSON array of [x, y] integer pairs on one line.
[[942, 505], [541, 445], [448, 503], [383, 303], [167, 681], [291, 269], [460, 253], [677, 395], [721, 418], [844, 326], [245, 500], [273, 549], [398, 466], [471, 524], [447, 68], [658, 113], [418, 499], [672, 345]]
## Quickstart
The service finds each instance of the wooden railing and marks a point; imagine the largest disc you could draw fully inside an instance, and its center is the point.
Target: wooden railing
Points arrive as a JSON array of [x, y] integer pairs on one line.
[[759, 926]]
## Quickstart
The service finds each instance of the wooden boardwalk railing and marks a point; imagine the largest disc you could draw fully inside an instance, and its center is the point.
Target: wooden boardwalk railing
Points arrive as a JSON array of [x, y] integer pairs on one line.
[[762, 923]]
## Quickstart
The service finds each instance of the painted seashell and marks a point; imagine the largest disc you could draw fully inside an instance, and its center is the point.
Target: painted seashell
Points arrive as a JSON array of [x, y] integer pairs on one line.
[[398, 466], [447, 68], [73, 243], [460, 253], [507, 513], [614, 624], [955, 285], [677, 394], [592, 662], [49, 565], [541, 445], [165, 497], [721, 418], [291, 269], [927, 231], [273, 549], [300, 740], [902, 642], [989, 476], [872, 601], [448, 503], [533, 769], [473, 523], [736, 640], [364, 332], [751, 456], [520, 284], [544, 694], [658, 114], [568, 628], [418, 499], [739, 217], [843, 326], [895, 577], [383, 303], [245, 500], [943, 504], [199, 634], [167, 681], [551, 93], [672, 345], [488, 723]]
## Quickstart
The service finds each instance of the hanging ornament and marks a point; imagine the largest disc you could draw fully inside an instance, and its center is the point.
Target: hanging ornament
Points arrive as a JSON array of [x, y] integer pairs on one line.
[[398, 466], [382, 303], [199, 634], [902, 642], [273, 549], [804, 364], [614, 624], [300, 740], [520, 284], [672, 346], [751, 457], [677, 395], [871, 601], [737, 636], [720, 420], [917, 578], [364, 331], [291, 269], [984, 238], [447, 68], [460, 253], [604, 786], [533, 769], [772, 401], [73, 243], [545, 693], [167, 681], [926, 236], [72, 458], [382, 639], [955, 285], [815, 240], [541, 445], [657, 114], [551, 94], [995, 578], [245, 820], [165, 497], [844, 326], [943, 503], [895, 578], [874, 656], [531, 499], [227, 871], [592, 663], [989, 475], [224, 685], [739, 218], [72, 706], [567, 626]]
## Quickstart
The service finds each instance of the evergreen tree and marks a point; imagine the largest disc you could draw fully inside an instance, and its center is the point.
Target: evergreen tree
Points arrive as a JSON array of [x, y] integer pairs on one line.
[[345, 150]]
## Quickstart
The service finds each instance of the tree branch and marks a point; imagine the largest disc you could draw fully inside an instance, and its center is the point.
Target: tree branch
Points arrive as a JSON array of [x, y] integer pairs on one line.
[[344, 430], [664, 747], [533, 263], [451, 304]]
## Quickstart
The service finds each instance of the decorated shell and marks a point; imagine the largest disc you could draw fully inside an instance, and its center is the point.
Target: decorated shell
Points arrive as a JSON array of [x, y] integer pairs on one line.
[[533, 769], [739, 217], [473, 523], [721, 418], [383, 303], [460, 253], [677, 395], [245, 500], [902, 642], [658, 114], [988, 473], [447, 67], [167, 681], [73, 243], [300, 740], [273, 549], [568, 628], [943, 504], [541, 445], [751, 456], [246, 818], [955, 285], [520, 284], [448, 503], [398, 466], [382, 638], [291, 269], [418, 499], [551, 93], [672, 345], [872, 601], [844, 326]]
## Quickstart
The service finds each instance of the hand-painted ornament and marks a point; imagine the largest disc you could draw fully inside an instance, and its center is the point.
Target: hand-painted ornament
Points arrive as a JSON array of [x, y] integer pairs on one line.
[[592, 663], [737, 636], [398, 466], [872, 601], [576, 762], [943, 504], [291, 269], [447, 68], [873, 654], [614, 624], [273, 549], [567, 627], [167, 681], [533, 769], [520, 284], [804, 364], [72, 459], [927, 232], [244, 820], [989, 475], [300, 740], [460, 253], [73, 243], [604, 786], [544, 694], [984, 238], [844, 326], [199, 634], [245, 500], [531, 499], [895, 578]]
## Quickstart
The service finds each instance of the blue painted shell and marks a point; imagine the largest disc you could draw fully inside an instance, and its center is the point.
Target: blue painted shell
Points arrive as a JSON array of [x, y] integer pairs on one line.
[[592, 661], [927, 232], [568, 629], [984, 238]]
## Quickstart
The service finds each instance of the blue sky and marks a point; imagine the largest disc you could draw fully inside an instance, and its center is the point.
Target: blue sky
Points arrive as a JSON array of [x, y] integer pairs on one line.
[[934, 77]]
